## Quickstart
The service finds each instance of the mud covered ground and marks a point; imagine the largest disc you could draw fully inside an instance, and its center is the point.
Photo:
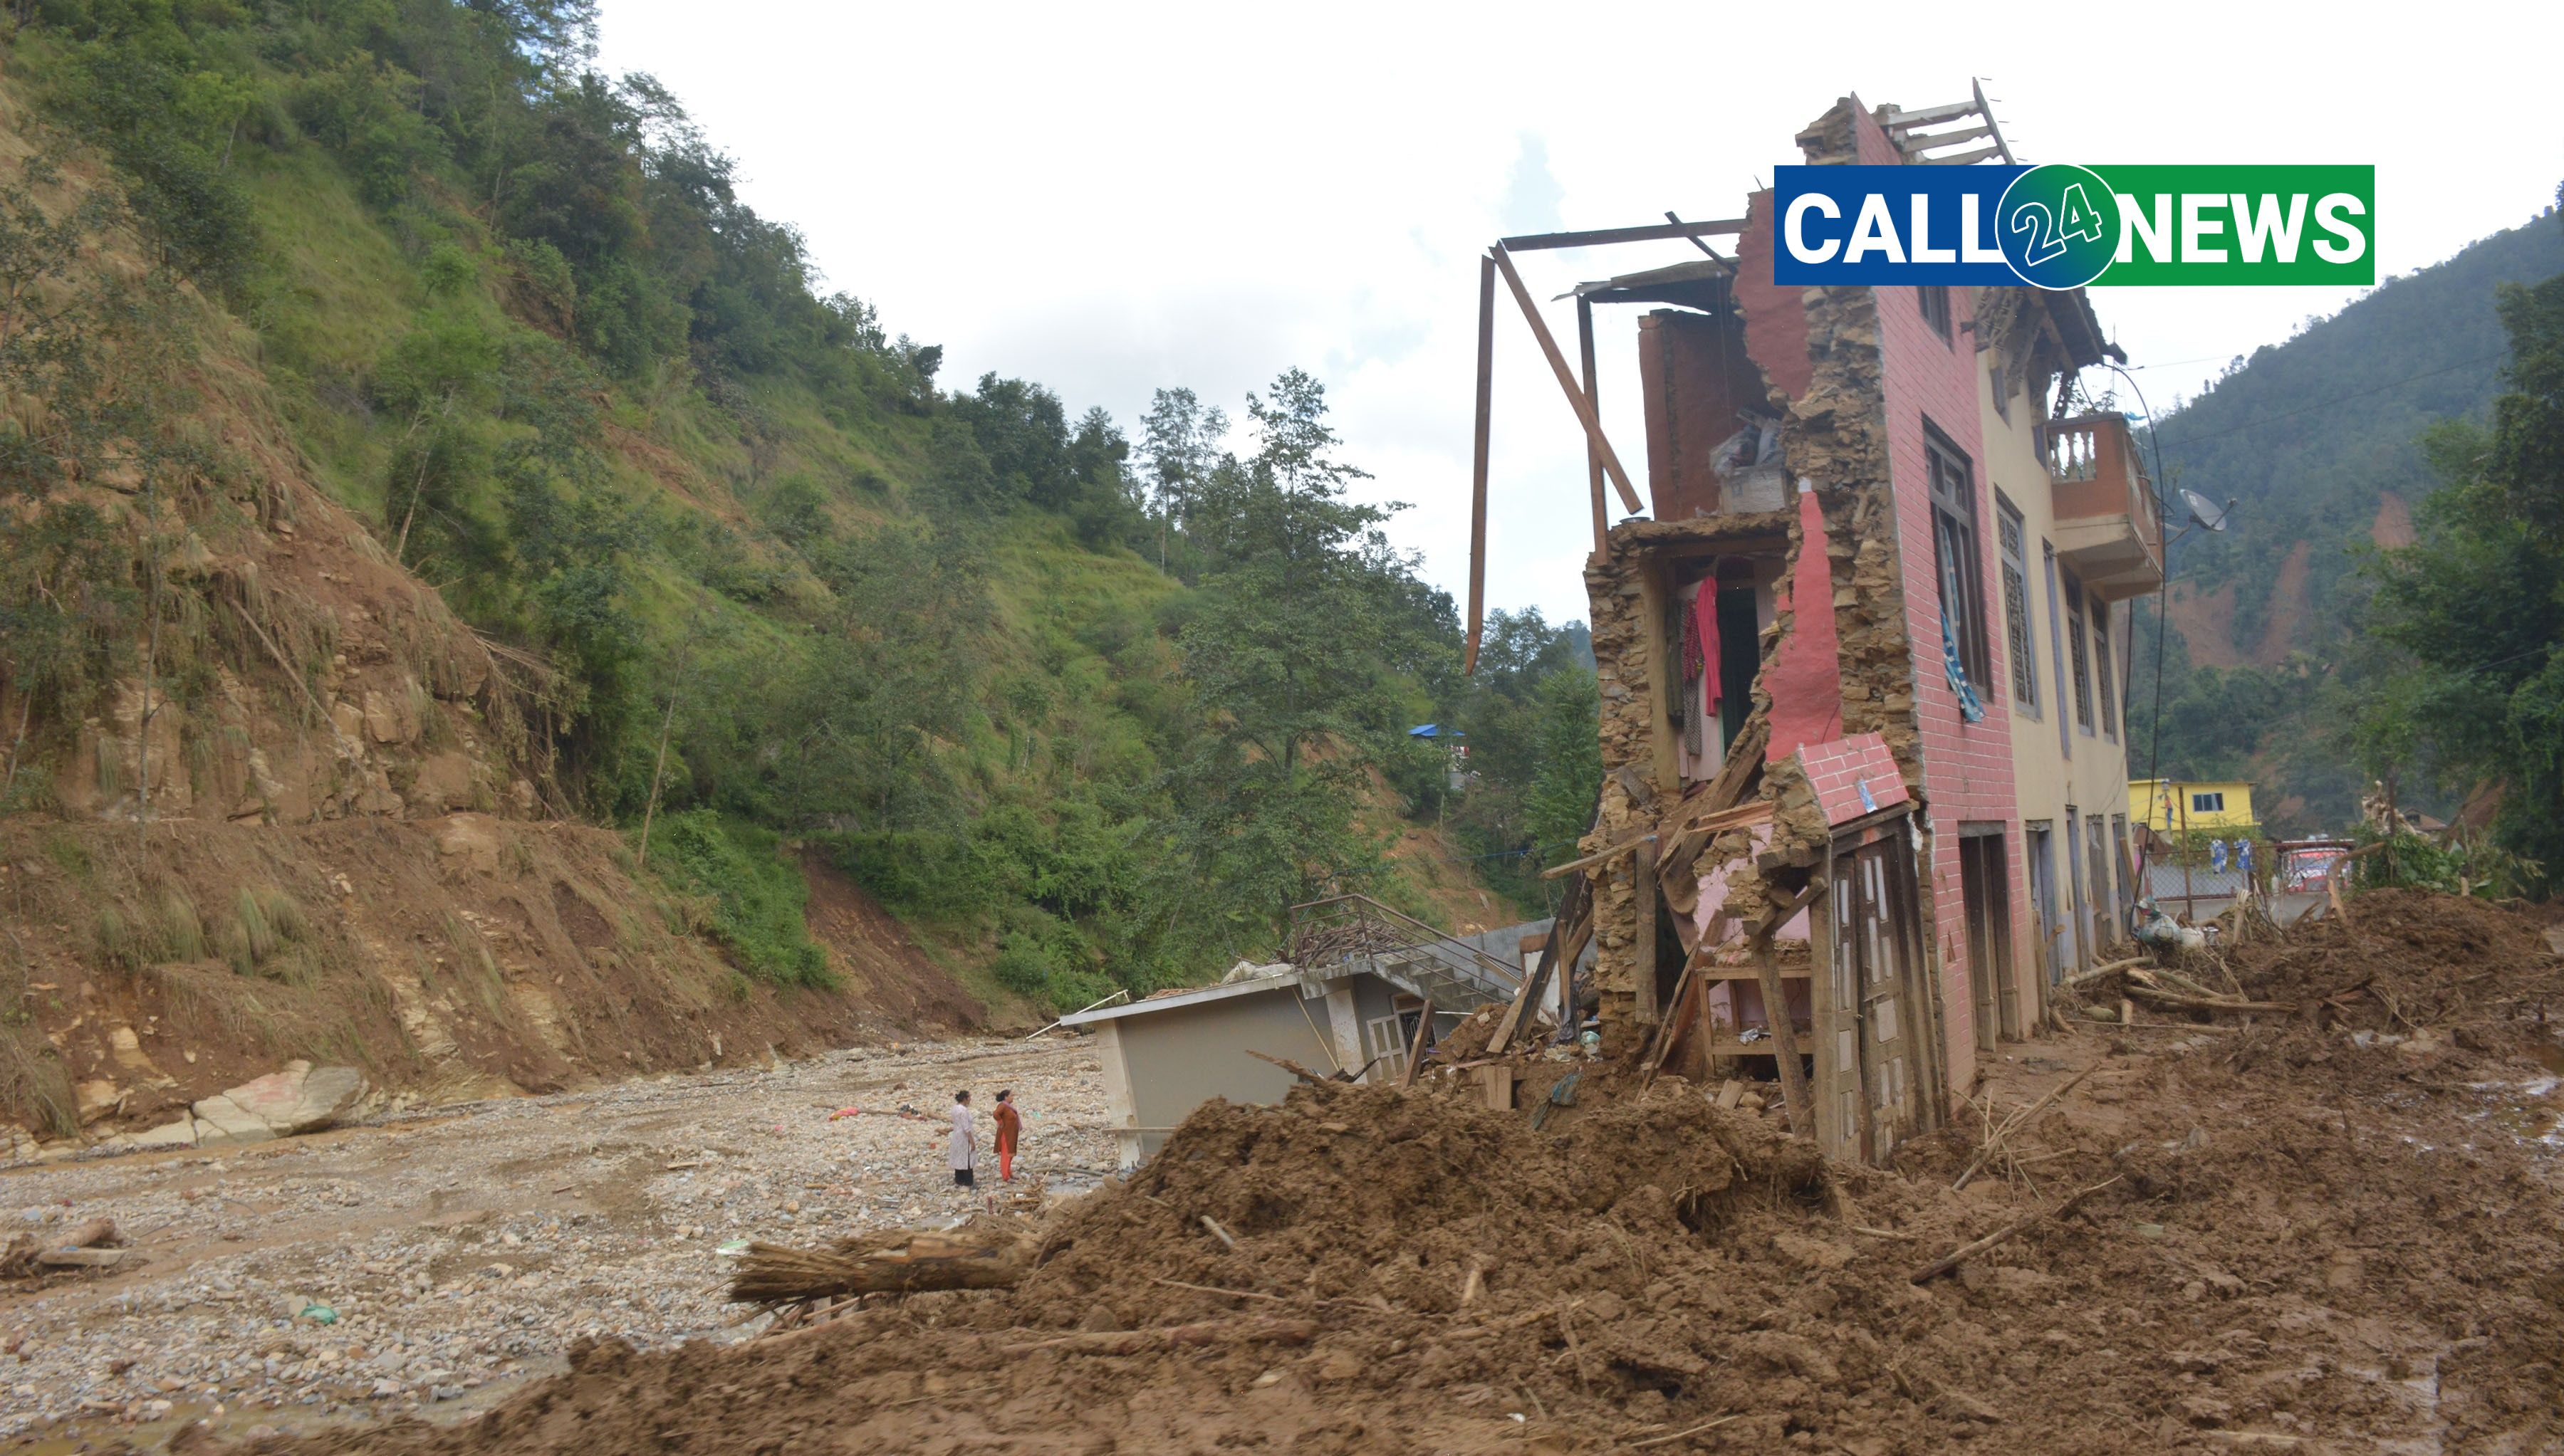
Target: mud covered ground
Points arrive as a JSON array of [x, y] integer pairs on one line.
[[2334, 1230]]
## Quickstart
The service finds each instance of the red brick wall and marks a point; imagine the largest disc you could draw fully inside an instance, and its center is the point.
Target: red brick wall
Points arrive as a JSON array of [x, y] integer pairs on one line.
[[1966, 767], [1775, 324]]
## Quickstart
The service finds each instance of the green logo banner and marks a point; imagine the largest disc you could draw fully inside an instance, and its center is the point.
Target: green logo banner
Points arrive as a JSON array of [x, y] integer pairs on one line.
[[2245, 225]]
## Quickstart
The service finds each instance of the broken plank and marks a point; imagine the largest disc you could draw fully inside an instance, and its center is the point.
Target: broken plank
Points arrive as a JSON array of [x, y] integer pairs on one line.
[[1292, 1067], [2098, 972], [1598, 857], [82, 1258], [1415, 1051], [1965, 1252], [1576, 397]]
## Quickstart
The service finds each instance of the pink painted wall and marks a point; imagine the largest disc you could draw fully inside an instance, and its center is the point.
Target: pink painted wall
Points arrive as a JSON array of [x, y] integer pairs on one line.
[[1966, 767]]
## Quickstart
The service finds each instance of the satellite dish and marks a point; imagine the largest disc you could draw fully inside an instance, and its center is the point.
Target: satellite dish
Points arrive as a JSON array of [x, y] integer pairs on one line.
[[2204, 512]]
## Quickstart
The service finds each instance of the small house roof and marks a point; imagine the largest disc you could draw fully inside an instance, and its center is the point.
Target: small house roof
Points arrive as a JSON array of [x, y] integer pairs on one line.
[[1286, 978]]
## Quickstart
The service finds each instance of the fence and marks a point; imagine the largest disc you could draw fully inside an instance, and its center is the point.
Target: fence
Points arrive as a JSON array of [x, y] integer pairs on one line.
[[2196, 875]]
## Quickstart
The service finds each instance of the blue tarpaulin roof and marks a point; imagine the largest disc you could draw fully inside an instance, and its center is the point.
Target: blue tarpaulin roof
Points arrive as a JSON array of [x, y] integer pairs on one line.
[[1433, 730]]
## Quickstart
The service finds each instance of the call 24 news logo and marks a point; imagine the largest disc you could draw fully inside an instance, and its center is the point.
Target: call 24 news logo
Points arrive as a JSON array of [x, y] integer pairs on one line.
[[2060, 226]]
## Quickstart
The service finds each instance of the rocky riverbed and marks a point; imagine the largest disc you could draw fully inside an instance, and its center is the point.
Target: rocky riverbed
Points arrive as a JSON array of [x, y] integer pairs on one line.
[[425, 1264]]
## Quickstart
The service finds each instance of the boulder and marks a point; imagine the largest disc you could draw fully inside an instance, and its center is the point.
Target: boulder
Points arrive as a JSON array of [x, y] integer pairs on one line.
[[300, 1099], [390, 718], [350, 721], [180, 1133], [444, 782], [469, 841], [220, 1122], [380, 722], [96, 1098]]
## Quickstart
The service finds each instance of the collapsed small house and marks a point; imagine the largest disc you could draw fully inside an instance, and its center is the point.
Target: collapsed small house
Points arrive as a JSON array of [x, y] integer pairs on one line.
[[1350, 1000], [1859, 660]]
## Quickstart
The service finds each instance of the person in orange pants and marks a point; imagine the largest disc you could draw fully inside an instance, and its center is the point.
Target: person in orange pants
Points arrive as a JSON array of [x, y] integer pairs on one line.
[[1009, 1124]]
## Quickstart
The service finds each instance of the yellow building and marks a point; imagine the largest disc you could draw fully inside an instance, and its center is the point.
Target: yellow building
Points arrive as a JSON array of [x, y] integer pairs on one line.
[[2173, 806]]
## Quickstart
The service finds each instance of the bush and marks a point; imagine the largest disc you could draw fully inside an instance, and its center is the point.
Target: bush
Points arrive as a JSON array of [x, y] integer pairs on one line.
[[1055, 972], [756, 899], [446, 271]]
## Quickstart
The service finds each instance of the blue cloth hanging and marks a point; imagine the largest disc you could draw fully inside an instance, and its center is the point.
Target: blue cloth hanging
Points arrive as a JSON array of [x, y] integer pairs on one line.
[[1969, 707]]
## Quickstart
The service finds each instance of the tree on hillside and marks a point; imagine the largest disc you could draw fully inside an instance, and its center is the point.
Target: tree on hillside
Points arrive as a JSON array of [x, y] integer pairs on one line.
[[1179, 441], [2474, 608], [1300, 651]]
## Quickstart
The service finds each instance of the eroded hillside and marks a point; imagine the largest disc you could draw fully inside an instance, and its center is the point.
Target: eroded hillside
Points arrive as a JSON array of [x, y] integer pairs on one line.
[[324, 824]]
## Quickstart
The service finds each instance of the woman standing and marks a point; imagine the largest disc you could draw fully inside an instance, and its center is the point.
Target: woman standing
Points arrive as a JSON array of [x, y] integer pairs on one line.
[[1010, 1124], [964, 1149]]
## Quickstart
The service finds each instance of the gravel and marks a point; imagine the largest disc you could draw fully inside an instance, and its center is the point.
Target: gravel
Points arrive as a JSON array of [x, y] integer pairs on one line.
[[426, 1263]]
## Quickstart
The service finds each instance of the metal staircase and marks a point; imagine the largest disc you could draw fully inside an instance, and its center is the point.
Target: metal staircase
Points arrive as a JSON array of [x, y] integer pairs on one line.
[[1357, 933]]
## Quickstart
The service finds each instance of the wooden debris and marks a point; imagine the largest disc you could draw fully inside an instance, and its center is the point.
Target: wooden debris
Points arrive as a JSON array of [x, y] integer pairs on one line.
[[96, 1244], [1517, 1015], [2180, 983], [1669, 1029], [2155, 996], [1218, 1232], [1965, 1252], [1599, 858], [1776, 1011], [1743, 766], [1713, 820], [1998, 1138], [1292, 1067], [82, 1258], [1248, 1294], [2098, 972], [987, 1253]]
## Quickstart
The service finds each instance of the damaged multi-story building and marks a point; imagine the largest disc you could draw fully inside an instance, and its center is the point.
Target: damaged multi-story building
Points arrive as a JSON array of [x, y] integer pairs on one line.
[[1861, 655]]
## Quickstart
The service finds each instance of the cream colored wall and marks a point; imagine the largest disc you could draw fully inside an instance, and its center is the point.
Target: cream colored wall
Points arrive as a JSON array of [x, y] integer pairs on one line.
[[2095, 780], [1165, 1063]]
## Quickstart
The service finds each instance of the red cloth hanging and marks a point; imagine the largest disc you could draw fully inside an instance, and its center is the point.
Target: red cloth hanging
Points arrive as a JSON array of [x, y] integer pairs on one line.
[[1704, 621]]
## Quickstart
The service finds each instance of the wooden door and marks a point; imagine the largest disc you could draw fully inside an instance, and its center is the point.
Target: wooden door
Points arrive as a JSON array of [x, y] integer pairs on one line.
[[1880, 1067]]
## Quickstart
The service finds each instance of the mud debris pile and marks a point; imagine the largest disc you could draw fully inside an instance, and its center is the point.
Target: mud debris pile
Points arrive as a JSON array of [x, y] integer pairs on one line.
[[2297, 1237]]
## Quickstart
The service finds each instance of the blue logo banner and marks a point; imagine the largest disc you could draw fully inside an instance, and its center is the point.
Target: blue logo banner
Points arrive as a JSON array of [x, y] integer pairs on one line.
[[1890, 225]]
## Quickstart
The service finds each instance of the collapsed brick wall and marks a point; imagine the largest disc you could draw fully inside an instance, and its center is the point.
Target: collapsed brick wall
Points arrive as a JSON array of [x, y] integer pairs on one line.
[[1835, 438]]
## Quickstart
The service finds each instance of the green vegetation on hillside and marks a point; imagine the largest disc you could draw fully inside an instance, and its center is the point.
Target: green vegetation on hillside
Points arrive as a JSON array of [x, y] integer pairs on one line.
[[1533, 758], [2466, 679], [2308, 436], [1098, 720]]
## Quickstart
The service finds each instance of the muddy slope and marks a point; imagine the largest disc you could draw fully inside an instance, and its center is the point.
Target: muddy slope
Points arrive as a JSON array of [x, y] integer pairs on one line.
[[462, 955]]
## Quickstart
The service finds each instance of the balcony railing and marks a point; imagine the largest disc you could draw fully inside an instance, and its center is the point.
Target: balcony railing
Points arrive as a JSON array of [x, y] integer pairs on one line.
[[2106, 526]]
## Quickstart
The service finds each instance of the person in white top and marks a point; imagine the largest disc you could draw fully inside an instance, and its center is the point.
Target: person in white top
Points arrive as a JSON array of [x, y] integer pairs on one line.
[[965, 1148]]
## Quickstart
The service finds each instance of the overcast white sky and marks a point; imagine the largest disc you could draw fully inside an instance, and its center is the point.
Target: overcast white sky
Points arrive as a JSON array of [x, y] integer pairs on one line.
[[1112, 199]]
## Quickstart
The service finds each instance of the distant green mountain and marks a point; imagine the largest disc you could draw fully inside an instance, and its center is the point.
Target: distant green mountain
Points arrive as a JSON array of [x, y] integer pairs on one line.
[[2308, 435], [2311, 437]]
